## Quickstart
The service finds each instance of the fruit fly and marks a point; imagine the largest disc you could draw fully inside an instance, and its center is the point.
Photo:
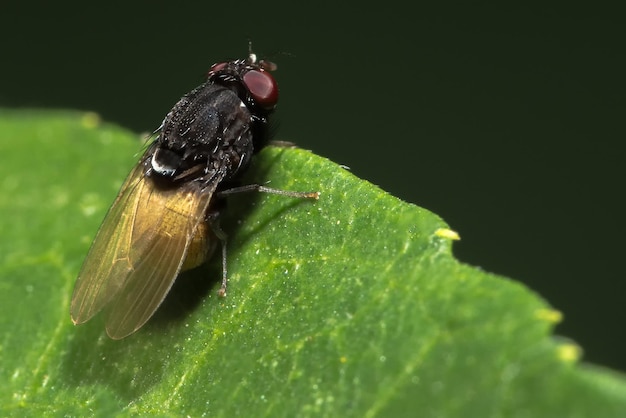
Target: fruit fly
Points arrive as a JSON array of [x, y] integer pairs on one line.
[[165, 217]]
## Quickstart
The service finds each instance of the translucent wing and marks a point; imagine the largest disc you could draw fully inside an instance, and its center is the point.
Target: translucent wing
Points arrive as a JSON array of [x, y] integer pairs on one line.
[[138, 252], [107, 265]]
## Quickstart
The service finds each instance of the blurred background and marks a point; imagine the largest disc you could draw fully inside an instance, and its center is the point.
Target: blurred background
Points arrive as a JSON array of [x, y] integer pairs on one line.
[[508, 122]]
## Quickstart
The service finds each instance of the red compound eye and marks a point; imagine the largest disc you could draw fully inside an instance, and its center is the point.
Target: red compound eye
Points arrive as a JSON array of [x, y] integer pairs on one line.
[[262, 87]]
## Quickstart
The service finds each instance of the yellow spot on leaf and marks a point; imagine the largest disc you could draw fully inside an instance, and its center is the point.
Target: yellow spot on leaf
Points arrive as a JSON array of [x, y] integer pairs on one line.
[[90, 120], [550, 315], [568, 353], [447, 233]]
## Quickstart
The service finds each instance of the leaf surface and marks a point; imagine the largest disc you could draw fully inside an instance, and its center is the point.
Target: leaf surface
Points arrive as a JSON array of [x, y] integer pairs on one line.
[[352, 305]]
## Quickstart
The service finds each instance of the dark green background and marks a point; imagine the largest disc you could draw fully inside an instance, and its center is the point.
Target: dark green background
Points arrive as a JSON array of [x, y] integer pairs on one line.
[[508, 122]]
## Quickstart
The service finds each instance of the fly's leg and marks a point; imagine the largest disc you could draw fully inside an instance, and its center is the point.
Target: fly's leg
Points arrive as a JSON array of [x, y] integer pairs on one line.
[[264, 189], [213, 219], [214, 223]]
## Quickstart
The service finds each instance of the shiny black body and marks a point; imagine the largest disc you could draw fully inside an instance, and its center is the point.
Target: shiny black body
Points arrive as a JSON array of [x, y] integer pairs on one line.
[[210, 134]]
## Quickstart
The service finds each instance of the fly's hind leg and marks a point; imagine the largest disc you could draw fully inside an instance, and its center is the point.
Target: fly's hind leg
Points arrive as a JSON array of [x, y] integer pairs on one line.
[[213, 221]]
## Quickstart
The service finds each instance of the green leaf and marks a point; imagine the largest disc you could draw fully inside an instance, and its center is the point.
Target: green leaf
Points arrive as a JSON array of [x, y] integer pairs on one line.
[[352, 305]]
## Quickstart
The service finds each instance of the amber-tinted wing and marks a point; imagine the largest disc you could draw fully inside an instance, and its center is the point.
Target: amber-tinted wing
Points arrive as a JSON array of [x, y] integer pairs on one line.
[[138, 252]]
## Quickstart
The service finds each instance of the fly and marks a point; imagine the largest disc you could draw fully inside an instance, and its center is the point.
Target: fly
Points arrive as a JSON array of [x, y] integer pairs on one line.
[[165, 217]]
